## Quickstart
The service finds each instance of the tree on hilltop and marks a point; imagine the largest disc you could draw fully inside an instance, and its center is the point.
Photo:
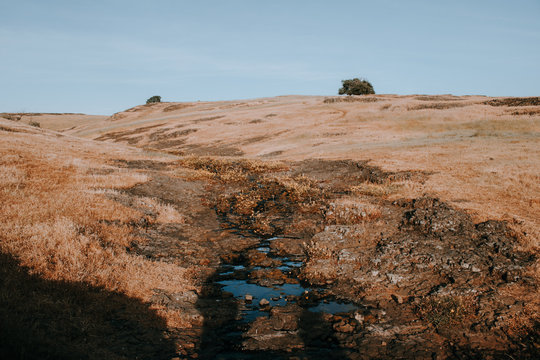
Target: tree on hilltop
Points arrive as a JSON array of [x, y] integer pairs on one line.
[[356, 86], [154, 99]]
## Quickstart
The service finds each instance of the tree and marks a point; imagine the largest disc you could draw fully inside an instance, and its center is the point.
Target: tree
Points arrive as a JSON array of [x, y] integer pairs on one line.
[[154, 99], [356, 86]]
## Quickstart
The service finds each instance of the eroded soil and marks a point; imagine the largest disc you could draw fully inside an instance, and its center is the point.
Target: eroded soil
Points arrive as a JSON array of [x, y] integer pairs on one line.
[[294, 262]]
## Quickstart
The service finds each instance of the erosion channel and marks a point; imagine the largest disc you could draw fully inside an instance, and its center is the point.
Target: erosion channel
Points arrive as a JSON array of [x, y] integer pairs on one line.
[[315, 260], [272, 312]]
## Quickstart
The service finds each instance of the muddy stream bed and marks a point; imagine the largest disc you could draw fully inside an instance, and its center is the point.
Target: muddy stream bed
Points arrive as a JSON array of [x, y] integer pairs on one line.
[[267, 312], [258, 296], [351, 276]]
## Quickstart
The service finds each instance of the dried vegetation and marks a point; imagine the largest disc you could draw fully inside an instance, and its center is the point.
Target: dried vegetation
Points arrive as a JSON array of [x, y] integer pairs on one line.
[[59, 225]]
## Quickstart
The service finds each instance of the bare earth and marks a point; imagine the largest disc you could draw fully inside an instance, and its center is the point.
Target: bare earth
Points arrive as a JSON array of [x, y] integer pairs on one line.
[[399, 226]]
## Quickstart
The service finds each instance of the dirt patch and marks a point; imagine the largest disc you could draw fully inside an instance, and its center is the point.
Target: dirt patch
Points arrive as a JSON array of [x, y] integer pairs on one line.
[[273, 153], [159, 136], [434, 264], [437, 106], [7, 129], [438, 98], [124, 135], [255, 139], [216, 150], [169, 145], [524, 101], [12, 117], [356, 270], [418, 270], [205, 119], [141, 164], [176, 107], [361, 98], [530, 112]]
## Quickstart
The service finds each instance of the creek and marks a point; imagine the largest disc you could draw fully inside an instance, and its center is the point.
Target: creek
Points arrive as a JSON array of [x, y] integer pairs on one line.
[[257, 295]]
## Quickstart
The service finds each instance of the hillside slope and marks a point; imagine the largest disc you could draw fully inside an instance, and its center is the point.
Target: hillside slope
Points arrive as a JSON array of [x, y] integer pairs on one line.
[[350, 227], [483, 153]]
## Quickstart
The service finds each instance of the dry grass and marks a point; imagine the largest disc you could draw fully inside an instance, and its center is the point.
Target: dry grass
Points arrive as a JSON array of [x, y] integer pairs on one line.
[[474, 152], [164, 213], [59, 224], [379, 190], [226, 170], [176, 107], [348, 211]]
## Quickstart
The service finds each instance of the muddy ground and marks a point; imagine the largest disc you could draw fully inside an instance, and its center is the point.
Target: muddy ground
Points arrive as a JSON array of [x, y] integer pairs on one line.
[[310, 260]]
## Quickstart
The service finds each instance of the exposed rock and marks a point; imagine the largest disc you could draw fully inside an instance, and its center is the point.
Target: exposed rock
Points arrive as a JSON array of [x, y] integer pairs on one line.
[[344, 326], [262, 335]]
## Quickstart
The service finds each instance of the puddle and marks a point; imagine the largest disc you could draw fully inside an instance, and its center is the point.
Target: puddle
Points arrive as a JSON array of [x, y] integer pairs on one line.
[[264, 249], [293, 263], [278, 295], [333, 307], [241, 288]]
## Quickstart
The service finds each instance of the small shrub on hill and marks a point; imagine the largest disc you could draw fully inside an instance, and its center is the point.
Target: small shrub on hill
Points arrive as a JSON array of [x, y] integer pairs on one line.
[[154, 99]]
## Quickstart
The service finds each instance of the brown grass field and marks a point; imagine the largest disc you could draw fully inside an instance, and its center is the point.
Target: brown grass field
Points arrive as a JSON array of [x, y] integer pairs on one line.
[[89, 205]]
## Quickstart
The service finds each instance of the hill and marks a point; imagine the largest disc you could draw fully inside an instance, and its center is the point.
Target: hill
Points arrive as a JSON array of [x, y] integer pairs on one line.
[[482, 152], [318, 227]]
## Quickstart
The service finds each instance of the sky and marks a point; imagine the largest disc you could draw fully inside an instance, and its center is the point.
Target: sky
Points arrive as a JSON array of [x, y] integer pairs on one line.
[[100, 57]]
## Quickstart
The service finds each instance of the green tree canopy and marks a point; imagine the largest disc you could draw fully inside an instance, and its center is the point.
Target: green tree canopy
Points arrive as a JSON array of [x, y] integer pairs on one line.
[[154, 99], [356, 86]]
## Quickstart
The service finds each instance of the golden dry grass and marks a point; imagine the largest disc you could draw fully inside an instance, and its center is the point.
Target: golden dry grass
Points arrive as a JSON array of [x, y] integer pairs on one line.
[[225, 170], [482, 158], [351, 210], [57, 221], [61, 220]]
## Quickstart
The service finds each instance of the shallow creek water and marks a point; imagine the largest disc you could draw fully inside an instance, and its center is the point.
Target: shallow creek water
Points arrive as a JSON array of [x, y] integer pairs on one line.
[[236, 279]]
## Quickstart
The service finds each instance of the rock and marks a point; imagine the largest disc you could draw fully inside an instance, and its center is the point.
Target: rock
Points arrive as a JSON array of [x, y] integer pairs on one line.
[[370, 319], [394, 279], [343, 327], [249, 298], [397, 298], [269, 277], [359, 317], [285, 318], [264, 302], [261, 336]]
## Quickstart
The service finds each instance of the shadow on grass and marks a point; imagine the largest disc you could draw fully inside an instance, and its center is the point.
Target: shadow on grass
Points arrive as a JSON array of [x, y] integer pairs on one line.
[[42, 319]]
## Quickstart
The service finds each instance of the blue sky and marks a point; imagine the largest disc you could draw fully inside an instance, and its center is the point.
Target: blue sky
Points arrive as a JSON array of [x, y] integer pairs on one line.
[[99, 57]]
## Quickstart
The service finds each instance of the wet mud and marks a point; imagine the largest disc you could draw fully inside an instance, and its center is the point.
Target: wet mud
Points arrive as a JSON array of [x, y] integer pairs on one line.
[[295, 265]]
